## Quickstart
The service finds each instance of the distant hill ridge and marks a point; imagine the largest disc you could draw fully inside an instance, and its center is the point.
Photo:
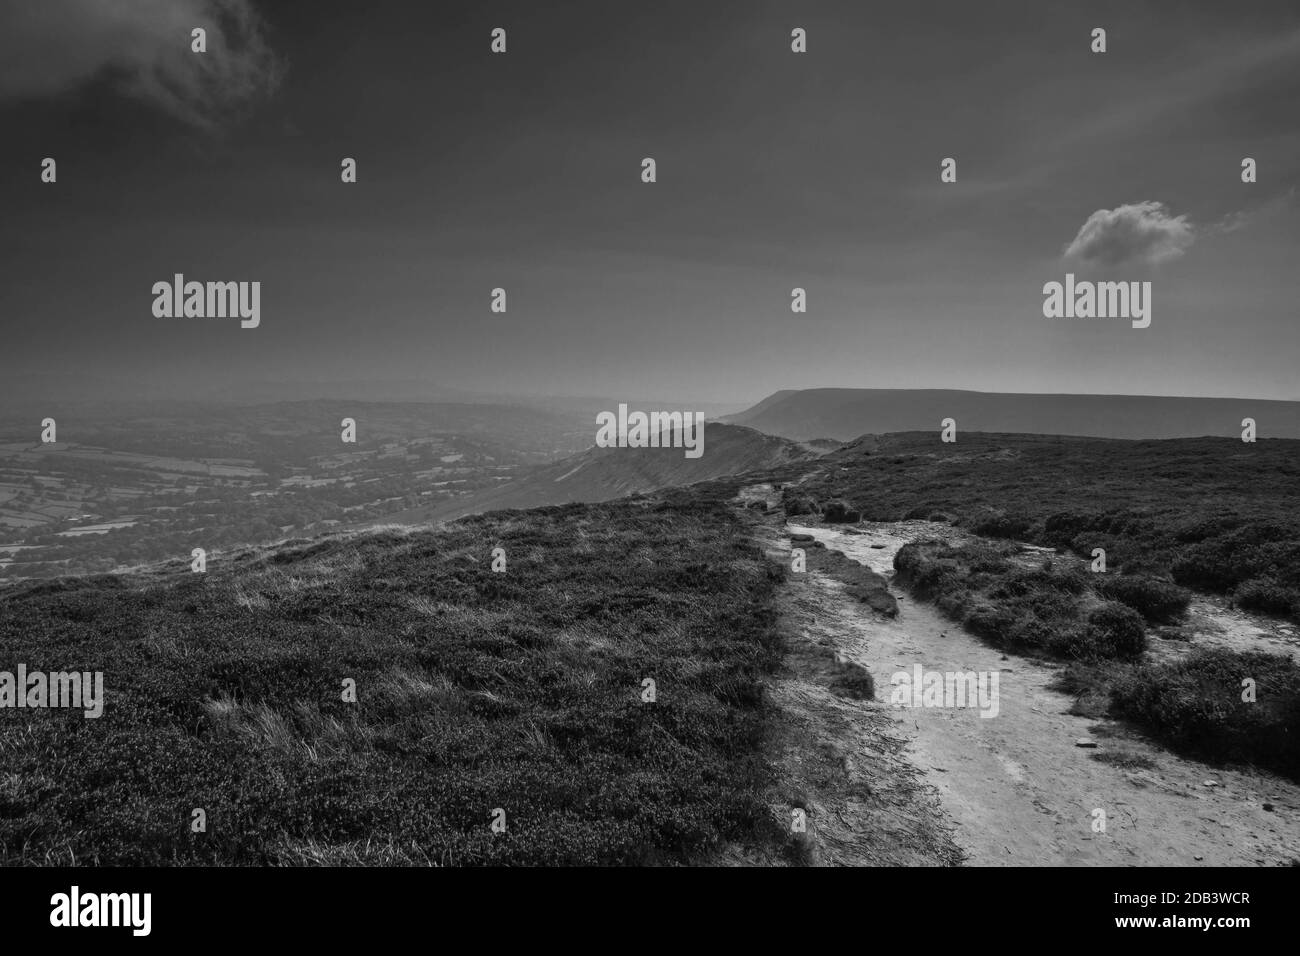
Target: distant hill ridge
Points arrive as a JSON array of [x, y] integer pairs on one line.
[[846, 413]]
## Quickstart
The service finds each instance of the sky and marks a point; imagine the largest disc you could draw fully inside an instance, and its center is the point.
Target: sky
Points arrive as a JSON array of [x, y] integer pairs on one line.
[[775, 170]]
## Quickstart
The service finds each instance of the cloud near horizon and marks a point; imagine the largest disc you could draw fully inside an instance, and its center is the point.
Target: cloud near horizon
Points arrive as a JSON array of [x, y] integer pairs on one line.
[[142, 47], [1142, 233]]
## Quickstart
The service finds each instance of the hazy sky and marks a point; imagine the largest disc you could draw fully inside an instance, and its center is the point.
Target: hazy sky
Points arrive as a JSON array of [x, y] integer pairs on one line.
[[775, 170]]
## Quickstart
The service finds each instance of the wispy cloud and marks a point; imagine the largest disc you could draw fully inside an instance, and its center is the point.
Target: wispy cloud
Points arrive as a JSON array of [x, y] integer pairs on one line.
[[142, 47], [1174, 93], [1267, 209]]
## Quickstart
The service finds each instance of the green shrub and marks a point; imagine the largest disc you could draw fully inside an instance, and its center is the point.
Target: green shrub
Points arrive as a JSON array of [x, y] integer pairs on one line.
[[840, 512], [1196, 704], [796, 505], [1160, 602], [1002, 526], [1114, 631], [1042, 609], [1257, 550], [989, 621], [1269, 595]]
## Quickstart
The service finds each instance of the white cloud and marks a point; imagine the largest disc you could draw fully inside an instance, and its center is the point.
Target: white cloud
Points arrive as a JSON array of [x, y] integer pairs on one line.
[[51, 47], [1141, 233]]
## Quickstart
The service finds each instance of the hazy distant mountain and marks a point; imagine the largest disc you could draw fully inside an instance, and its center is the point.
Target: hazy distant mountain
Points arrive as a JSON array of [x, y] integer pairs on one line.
[[601, 474], [80, 392], [273, 432], [845, 413]]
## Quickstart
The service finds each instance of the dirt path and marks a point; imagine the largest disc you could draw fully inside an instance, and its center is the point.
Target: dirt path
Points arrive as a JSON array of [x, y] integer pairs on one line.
[[1018, 787], [840, 758], [1213, 622]]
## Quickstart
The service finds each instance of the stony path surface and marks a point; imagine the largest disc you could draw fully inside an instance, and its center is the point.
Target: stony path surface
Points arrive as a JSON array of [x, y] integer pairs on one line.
[[1019, 787]]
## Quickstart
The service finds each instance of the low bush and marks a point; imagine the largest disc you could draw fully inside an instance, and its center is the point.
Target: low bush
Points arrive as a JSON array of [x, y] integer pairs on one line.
[[1270, 596], [1196, 705], [1051, 609], [840, 512], [796, 505], [1002, 526], [1115, 631], [1160, 602]]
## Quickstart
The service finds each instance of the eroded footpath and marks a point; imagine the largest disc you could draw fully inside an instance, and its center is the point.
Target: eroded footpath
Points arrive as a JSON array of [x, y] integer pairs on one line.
[[1024, 787]]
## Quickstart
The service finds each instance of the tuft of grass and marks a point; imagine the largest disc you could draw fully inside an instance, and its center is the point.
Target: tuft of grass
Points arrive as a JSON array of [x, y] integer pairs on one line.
[[852, 680]]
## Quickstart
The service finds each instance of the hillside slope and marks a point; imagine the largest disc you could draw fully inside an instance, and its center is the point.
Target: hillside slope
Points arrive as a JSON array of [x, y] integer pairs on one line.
[[516, 693], [603, 474]]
